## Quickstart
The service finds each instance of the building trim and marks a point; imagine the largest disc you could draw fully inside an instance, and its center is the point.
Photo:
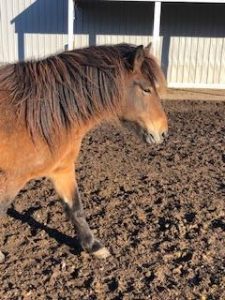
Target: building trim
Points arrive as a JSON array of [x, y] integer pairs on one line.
[[70, 23], [165, 1]]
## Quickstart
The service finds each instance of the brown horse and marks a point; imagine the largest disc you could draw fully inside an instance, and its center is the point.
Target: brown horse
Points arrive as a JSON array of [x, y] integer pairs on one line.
[[47, 106]]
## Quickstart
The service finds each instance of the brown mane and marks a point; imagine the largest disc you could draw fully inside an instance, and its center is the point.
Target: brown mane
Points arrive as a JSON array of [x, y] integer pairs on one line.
[[72, 87]]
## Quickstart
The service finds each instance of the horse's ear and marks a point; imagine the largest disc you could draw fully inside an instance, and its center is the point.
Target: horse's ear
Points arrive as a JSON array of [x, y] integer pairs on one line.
[[138, 58], [148, 48]]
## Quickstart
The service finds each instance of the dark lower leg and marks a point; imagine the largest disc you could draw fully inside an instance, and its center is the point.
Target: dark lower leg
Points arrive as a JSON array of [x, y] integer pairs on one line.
[[76, 214]]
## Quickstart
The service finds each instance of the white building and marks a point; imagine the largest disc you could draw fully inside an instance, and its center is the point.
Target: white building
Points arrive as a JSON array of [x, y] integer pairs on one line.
[[188, 36]]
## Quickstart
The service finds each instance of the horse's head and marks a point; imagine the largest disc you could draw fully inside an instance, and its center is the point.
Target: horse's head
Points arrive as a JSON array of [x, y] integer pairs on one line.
[[142, 111]]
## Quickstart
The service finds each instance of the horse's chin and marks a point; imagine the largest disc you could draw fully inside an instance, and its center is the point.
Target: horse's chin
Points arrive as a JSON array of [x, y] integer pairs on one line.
[[132, 126], [142, 133]]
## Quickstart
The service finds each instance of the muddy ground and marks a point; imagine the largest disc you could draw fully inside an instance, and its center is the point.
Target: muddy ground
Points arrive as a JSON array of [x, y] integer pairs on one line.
[[159, 209]]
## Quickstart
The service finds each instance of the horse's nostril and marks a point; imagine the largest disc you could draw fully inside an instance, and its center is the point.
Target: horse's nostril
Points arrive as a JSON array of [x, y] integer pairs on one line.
[[165, 134]]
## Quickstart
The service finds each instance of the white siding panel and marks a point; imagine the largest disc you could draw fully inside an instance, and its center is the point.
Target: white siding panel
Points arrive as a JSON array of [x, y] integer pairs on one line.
[[221, 70], [181, 55], [193, 60], [205, 59], [218, 58], [173, 59], [31, 28], [195, 34]]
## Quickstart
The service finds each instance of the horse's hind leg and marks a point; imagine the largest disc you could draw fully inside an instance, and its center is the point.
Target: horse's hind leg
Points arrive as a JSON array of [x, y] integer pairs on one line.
[[66, 186]]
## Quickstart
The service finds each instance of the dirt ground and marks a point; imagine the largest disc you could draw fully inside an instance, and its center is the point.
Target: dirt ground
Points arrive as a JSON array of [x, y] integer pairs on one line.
[[159, 209]]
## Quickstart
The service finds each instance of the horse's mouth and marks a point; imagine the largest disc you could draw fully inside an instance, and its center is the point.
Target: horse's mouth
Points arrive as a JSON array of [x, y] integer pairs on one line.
[[150, 138]]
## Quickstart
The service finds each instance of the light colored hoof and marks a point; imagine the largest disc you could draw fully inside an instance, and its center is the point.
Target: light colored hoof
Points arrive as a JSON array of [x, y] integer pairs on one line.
[[2, 257], [102, 253]]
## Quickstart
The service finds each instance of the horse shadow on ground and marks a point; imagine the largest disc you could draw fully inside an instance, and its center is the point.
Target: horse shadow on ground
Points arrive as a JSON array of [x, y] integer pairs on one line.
[[61, 238]]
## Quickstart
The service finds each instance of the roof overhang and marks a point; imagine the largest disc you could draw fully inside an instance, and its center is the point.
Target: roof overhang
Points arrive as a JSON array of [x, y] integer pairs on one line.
[[164, 1]]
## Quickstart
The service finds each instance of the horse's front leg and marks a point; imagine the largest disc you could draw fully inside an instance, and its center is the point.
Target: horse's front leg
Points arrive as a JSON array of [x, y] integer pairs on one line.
[[66, 186], [9, 188]]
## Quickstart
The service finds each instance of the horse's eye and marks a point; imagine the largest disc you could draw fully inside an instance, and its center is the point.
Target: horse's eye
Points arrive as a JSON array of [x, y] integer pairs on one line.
[[147, 90]]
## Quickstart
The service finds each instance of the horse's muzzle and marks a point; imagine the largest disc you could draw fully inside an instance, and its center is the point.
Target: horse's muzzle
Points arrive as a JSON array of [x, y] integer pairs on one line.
[[155, 138]]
